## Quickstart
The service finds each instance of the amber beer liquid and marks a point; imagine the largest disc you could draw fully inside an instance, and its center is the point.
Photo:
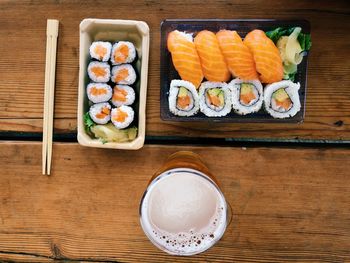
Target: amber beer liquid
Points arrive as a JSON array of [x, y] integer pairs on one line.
[[183, 211]]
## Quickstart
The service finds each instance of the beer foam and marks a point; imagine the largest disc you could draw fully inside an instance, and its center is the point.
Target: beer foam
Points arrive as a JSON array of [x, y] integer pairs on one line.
[[183, 212]]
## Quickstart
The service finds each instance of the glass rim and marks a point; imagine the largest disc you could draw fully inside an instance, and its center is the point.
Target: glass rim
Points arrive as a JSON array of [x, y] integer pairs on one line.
[[202, 175]]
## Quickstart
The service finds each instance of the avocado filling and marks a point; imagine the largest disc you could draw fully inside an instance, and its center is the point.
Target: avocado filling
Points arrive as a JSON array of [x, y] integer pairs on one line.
[[249, 95], [281, 101], [184, 100], [215, 98]]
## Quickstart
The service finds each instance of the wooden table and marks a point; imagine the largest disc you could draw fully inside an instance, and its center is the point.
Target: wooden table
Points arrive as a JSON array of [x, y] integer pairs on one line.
[[22, 53], [289, 203]]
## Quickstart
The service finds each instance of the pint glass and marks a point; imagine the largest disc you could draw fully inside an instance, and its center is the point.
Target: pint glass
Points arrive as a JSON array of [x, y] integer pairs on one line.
[[183, 211]]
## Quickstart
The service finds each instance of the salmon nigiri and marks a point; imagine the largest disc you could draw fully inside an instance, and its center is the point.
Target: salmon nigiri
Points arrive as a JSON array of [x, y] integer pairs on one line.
[[212, 61], [238, 57], [266, 55], [185, 57]]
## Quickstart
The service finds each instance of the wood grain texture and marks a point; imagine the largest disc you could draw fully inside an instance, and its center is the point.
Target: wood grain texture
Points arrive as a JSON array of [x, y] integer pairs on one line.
[[288, 204], [22, 53]]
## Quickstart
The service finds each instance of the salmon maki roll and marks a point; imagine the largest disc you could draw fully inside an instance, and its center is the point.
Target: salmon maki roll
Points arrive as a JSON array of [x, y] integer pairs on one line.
[[238, 57], [185, 58], [281, 99], [122, 116], [100, 50], [215, 99], [247, 96], [183, 98], [123, 74], [99, 71], [213, 62], [123, 95], [99, 92], [123, 52], [266, 55], [100, 113]]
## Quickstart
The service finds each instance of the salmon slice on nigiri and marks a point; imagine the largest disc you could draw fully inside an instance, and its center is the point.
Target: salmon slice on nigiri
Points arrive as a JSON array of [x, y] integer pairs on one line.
[[238, 57], [266, 55], [213, 62], [185, 58]]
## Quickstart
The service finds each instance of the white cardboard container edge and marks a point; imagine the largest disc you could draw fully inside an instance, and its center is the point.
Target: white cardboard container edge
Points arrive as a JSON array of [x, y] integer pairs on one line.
[[113, 30]]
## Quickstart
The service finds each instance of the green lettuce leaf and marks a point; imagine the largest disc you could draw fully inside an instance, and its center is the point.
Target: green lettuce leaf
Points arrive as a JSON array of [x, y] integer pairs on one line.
[[305, 41], [88, 122], [290, 76], [278, 32]]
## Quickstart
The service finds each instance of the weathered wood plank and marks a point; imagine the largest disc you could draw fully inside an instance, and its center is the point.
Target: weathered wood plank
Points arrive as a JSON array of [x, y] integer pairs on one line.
[[288, 204], [22, 53]]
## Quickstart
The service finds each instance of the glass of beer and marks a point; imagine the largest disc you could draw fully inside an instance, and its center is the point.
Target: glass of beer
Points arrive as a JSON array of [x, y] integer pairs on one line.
[[183, 211]]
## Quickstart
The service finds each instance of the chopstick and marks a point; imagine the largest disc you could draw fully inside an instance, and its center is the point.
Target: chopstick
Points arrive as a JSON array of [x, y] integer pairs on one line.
[[49, 95]]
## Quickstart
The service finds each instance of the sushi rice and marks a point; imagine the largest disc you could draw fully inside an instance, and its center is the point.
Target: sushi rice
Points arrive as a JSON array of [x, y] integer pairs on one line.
[[182, 90], [123, 74], [123, 52], [99, 92], [122, 116], [100, 50], [247, 96], [207, 106], [281, 99], [100, 113], [123, 95], [99, 71]]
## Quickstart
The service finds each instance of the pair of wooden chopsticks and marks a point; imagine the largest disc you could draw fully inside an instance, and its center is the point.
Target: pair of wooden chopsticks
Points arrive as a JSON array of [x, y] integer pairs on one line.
[[49, 96]]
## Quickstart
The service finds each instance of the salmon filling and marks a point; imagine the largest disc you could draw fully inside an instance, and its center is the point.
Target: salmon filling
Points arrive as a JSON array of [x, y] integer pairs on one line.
[[247, 98], [119, 94], [122, 75], [214, 100], [98, 71], [120, 116], [96, 91], [121, 54], [100, 51], [183, 102], [103, 114], [284, 104]]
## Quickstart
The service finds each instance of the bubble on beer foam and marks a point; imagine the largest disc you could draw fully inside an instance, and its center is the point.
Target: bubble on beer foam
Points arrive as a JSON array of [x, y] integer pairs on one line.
[[183, 243]]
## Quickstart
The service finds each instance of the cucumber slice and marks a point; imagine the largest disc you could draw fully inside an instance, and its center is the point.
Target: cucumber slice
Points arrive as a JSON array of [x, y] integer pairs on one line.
[[246, 88], [280, 95], [221, 98], [182, 92], [214, 92]]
